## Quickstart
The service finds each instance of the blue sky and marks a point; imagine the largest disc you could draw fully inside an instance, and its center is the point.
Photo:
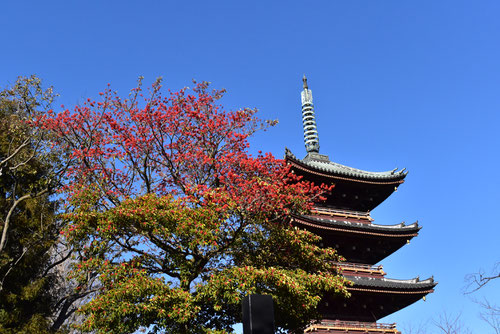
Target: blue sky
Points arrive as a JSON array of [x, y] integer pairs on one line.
[[395, 84]]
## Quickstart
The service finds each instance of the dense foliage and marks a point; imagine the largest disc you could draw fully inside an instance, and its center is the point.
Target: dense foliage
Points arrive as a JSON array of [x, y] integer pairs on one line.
[[178, 222], [29, 171]]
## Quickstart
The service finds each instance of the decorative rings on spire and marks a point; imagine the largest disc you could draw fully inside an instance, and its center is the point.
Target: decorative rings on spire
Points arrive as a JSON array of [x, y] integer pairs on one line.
[[311, 138]]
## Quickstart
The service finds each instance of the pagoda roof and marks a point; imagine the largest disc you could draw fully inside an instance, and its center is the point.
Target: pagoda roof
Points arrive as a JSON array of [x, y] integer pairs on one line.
[[410, 285], [327, 223], [321, 163], [359, 241], [374, 298]]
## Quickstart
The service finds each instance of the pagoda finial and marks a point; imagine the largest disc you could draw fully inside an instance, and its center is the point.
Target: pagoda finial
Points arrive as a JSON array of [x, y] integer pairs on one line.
[[304, 81], [311, 138]]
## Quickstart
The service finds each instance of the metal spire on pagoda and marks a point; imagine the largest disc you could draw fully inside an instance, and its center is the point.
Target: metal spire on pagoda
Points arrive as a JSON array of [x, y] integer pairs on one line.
[[311, 138]]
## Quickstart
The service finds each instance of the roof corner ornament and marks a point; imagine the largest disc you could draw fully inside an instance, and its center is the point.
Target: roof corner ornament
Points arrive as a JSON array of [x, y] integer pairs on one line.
[[311, 139], [287, 152]]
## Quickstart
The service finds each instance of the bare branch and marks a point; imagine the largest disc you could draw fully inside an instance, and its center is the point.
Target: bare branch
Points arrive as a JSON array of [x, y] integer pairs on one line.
[[449, 324], [490, 313], [477, 280], [414, 329], [7, 220], [12, 265], [16, 152]]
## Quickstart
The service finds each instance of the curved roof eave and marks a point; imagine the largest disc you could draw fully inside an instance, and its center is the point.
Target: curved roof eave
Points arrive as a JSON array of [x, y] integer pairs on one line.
[[409, 284], [323, 164], [411, 228]]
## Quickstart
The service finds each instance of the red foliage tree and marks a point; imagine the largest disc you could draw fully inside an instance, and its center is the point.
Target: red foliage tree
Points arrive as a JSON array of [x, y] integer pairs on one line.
[[178, 221]]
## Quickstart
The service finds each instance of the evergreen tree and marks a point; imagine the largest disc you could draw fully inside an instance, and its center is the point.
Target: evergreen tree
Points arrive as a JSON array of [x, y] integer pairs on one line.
[[29, 173]]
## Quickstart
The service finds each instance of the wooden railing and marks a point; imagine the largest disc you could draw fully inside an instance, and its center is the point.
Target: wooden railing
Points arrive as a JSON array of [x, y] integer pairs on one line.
[[343, 213], [358, 268], [352, 326]]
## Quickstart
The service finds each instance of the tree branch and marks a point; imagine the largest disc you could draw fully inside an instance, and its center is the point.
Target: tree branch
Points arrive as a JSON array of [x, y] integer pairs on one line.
[[3, 241], [478, 280]]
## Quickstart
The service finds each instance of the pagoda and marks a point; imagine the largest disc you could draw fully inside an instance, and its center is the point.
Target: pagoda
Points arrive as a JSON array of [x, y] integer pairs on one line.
[[343, 221]]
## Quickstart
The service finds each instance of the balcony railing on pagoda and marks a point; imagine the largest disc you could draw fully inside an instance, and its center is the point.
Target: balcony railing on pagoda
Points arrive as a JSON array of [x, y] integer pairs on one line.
[[358, 216], [358, 269], [347, 327]]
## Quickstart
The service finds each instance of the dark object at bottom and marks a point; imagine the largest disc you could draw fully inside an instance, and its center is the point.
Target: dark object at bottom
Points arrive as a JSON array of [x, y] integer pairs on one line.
[[258, 314]]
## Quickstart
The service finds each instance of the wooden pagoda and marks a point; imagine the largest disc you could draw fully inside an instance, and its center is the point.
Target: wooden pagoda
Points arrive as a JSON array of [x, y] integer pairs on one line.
[[344, 223]]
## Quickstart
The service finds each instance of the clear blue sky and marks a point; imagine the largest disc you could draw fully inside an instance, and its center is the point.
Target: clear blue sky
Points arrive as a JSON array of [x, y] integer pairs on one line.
[[412, 84]]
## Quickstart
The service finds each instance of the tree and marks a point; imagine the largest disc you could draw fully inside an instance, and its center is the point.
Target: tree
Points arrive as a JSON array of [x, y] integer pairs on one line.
[[414, 328], [179, 222], [478, 280], [490, 313], [29, 230], [34, 293], [448, 324]]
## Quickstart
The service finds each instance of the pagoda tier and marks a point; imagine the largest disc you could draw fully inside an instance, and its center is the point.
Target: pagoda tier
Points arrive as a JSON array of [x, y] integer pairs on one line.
[[355, 189], [351, 327], [354, 235], [374, 298]]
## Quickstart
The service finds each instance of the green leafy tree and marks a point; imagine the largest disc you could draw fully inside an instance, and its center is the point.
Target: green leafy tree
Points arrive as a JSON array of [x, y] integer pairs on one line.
[[179, 222]]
